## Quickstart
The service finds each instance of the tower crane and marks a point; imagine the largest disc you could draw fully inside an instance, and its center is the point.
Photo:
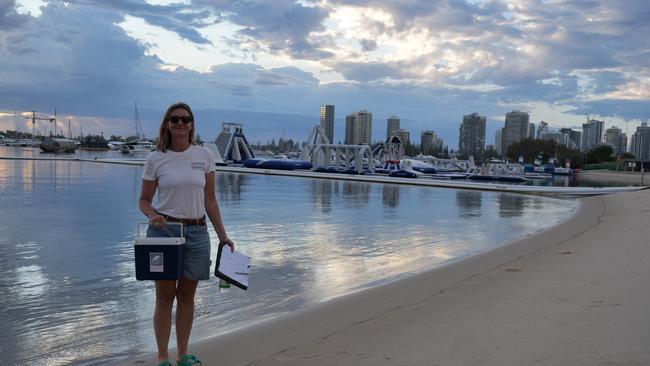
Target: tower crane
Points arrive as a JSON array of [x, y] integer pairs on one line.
[[34, 119]]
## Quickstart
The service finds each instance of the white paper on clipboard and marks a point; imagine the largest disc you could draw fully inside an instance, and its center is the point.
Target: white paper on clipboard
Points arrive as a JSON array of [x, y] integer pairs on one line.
[[235, 266]]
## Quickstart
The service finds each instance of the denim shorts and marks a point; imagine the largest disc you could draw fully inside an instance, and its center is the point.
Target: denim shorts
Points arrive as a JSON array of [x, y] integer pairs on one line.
[[196, 262]]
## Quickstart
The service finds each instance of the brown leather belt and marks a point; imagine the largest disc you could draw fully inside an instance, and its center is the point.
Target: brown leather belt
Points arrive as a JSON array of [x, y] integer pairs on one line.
[[198, 222]]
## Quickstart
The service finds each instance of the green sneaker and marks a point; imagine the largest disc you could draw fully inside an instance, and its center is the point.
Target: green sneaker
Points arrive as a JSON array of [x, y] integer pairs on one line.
[[189, 360]]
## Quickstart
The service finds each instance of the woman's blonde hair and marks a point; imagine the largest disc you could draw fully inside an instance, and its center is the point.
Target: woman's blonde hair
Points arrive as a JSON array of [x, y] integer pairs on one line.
[[164, 136]]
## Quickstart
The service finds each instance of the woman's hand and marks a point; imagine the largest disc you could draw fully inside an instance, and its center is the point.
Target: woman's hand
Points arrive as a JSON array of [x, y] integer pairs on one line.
[[229, 243], [157, 220]]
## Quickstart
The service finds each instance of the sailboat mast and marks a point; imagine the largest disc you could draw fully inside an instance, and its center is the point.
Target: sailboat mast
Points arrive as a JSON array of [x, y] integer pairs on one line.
[[138, 127]]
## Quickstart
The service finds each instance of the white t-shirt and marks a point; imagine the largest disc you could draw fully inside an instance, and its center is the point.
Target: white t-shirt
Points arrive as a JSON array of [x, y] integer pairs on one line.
[[181, 180]]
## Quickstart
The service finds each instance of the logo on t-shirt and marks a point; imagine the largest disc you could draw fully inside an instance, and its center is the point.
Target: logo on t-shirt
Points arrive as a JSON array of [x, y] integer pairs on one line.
[[198, 165]]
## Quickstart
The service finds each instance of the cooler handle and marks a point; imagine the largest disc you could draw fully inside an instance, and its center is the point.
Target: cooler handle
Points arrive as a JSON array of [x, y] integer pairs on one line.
[[168, 223]]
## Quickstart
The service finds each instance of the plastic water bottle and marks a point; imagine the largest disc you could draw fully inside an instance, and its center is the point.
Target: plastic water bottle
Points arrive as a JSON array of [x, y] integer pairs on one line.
[[224, 286]]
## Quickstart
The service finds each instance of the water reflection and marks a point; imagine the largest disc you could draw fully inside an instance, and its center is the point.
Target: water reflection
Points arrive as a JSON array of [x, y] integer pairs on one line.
[[357, 193], [321, 191], [66, 262], [469, 203], [512, 205], [230, 186], [390, 195]]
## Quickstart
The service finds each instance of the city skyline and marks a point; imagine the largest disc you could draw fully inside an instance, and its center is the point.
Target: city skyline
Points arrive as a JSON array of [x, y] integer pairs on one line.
[[270, 64]]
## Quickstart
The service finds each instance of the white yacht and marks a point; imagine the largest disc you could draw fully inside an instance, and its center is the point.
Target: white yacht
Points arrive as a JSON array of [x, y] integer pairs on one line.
[[115, 145], [134, 147]]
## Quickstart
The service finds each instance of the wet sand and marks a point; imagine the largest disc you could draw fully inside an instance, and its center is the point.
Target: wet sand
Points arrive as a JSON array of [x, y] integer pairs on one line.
[[575, 294]]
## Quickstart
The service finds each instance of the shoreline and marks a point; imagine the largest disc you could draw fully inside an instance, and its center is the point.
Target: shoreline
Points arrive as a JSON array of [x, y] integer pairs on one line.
[[575, 293]]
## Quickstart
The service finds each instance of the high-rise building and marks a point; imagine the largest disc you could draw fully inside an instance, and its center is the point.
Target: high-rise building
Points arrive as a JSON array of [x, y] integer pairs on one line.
[[392, 126], [559, 137], [358, 128], [430, 143], [350, 129], [592, 134], [327, 121], [497, 141], [542, 129], [531, 130], [615, 138], [471, 141], [640, 146], [365, 119], [575, 138], [404, 135], [515, 129]]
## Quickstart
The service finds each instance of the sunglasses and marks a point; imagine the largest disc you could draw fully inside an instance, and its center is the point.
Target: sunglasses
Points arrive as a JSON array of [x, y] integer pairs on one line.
[[175, 119]]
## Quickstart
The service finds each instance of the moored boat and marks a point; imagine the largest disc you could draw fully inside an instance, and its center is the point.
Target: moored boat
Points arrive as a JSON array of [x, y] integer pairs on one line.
[[134, 147], [58, 145]]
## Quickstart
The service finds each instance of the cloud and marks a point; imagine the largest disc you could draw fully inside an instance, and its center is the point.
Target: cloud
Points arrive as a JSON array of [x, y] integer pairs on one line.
[[430, 62], [368, 45], [280, 26], [615, 108], [9, 18], [181, 19]]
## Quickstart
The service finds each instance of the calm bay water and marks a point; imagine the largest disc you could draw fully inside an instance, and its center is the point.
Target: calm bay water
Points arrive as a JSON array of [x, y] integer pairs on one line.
[[69, 294]]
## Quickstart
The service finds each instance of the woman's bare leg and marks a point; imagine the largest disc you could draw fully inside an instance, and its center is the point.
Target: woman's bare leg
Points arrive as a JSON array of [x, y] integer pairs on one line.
[[162, 316], [184, 313]]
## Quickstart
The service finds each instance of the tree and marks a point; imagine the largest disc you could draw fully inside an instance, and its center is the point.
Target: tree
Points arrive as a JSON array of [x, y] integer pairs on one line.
[[530, 149], [599, 154]]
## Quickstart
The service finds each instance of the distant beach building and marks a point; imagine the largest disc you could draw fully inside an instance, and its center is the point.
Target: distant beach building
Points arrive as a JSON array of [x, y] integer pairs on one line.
[[531, 130], [615, 138], [592, 134], [515, 129], [640, 146], [575, 137], [327, 121], [430, 143], [471, 141], [392, 126], [358, 128]]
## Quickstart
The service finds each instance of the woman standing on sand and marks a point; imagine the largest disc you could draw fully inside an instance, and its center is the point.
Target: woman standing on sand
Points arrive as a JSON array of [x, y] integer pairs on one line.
[[183, 175]]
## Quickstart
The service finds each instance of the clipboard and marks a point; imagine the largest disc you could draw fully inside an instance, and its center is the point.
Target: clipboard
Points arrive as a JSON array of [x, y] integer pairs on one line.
[[233, 267]]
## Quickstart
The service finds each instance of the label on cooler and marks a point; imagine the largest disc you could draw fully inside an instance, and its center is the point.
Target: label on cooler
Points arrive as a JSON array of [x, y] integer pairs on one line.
[[156, 263]]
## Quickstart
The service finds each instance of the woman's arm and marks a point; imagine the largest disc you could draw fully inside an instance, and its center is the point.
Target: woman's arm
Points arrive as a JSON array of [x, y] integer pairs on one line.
[[146, 195], [212, 209]]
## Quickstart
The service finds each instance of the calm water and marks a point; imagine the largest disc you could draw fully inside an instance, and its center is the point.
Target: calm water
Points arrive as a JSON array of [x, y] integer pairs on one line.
[[69, 294]]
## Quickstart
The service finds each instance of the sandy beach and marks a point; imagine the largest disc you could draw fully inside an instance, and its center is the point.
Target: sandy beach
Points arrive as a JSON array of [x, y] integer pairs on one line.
[[575, 294], [615, 177]]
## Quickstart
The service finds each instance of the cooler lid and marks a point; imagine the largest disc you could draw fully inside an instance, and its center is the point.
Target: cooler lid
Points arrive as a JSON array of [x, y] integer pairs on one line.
[[159, 241]]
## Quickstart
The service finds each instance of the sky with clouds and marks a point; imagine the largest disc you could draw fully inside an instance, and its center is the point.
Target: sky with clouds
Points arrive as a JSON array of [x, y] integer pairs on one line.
[[271, 64]]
